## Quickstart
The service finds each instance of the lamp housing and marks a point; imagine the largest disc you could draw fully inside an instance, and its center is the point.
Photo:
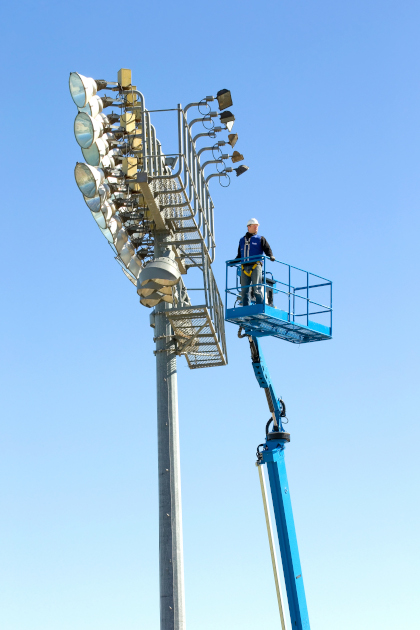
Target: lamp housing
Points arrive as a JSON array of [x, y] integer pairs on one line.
[[81, 88], [224, 99], [89, 179], [87, 129], [241, 169], [227, 118], [97, 202], [232, 139], [237, 157], [93, 107]]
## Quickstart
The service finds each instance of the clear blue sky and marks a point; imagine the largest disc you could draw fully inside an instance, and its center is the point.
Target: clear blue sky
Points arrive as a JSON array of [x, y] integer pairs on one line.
[[327, 101]]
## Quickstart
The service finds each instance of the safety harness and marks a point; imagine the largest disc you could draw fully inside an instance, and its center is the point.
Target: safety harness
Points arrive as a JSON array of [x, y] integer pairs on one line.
[[250, 247], [248, 273]]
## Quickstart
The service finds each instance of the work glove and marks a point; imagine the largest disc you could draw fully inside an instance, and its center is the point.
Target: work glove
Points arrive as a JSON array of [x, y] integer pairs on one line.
[[272, 258]]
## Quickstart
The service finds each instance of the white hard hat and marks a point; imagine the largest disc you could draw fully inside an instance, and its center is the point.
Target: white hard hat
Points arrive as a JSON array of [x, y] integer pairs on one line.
[[252, 222]]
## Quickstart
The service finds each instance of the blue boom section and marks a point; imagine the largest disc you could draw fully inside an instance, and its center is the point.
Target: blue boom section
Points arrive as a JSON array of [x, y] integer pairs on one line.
[[273, 456], [294, 305]]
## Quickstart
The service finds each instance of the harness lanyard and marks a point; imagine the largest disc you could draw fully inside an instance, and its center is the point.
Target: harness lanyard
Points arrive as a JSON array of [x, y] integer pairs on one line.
[[248, 273]]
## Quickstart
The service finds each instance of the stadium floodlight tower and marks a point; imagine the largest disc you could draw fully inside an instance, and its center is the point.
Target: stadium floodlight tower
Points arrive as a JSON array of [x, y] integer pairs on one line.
[[157, 214]]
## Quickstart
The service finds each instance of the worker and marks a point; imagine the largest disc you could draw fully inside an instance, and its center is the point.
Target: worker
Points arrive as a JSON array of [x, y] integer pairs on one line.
[[252, 245]]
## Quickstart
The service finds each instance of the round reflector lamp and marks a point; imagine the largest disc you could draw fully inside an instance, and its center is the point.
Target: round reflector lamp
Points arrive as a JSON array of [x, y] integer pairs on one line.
[[135, 266], [81, 88], [87, 129], [127, 252], [96, 203], [120, 239], [100, 219], [96, 152], [93, 107], [89, 179]]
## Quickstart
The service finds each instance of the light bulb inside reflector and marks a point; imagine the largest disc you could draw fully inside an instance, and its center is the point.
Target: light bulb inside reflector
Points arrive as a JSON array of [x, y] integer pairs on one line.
[[81, 88], [93, 107], [87, 129], [89, 179]]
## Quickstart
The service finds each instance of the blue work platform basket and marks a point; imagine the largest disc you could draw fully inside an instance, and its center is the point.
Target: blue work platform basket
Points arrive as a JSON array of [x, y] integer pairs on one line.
[[295, 305]]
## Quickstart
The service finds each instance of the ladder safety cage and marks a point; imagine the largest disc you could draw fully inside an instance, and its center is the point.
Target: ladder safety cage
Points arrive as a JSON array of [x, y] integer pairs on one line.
[[290, 303], [179, 202]]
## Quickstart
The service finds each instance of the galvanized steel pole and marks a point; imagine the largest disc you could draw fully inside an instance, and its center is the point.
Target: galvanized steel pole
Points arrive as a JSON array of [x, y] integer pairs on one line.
[[171, 559]]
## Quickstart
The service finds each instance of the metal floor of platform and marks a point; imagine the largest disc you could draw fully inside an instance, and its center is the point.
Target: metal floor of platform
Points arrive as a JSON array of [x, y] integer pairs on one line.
[[262, 320]]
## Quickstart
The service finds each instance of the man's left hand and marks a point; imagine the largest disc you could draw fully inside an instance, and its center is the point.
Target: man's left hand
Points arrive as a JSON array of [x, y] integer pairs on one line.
[[272, 258]]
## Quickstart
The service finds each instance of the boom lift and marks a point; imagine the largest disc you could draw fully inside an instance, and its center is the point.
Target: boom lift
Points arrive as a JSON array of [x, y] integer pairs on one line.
[[284, 313]]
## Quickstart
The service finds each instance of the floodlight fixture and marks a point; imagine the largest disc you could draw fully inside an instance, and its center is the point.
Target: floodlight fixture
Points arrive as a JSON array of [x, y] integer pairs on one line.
[[127, 252], [115, 225], [109, 119], [109, 161], [87, 129], [97, 150], [227, 118], [100, 219], [89, 179], [108, 209], [120, 240], [224, 99], [93, 107], [241, 169], [135, 265], [232, 139], [83, 88], [237, 157], [96, 203]]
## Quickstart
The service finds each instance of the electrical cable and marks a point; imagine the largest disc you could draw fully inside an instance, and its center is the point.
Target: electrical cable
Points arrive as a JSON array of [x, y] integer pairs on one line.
[[227, 186], [203, 100]]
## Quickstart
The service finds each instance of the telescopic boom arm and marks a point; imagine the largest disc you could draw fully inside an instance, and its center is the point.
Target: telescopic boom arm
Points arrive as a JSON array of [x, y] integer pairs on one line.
[[271, 453]]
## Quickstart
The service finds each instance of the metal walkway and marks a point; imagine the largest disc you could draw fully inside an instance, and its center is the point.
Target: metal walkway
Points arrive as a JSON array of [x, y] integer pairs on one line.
[[196, 336]]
